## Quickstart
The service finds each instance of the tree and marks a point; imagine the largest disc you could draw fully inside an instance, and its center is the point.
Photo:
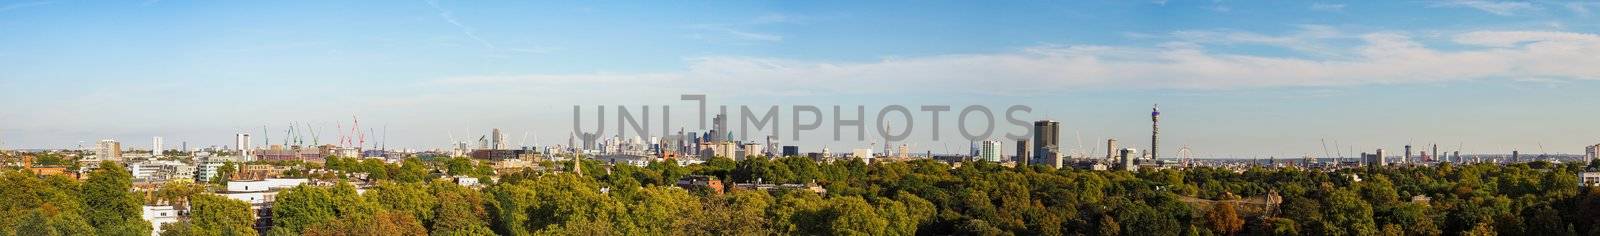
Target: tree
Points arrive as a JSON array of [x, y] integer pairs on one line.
[[300, 207], [111, 206], [853, 216], [224, 173], [459, 211], [218, 215], [409, 198], [1224, 219]]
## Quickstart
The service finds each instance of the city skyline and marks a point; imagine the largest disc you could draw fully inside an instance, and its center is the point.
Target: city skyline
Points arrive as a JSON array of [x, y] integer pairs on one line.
[[1236, 79]]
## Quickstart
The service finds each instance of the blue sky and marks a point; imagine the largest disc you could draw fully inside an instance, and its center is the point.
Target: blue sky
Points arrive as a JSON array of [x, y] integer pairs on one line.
[[1235, 78]]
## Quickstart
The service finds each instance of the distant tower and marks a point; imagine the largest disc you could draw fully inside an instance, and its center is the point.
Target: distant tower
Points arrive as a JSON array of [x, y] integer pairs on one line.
[[1111, 149], [155, 146], [496, 142], [1155, 131], [241, 142], [1435, 153], [1408, 154], [1023, 154], [1515, 156], [1046, 140]]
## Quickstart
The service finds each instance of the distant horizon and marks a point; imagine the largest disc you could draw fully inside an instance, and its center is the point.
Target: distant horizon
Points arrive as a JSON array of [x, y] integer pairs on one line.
[[1234, 78]]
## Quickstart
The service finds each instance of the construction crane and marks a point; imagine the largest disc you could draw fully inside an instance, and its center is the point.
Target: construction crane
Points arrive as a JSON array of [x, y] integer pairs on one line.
[[315, 140]]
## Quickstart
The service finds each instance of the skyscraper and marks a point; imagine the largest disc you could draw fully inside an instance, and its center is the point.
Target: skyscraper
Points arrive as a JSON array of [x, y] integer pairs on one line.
[[1045, 139], [1155, 131], [155, 146], [719, 128]]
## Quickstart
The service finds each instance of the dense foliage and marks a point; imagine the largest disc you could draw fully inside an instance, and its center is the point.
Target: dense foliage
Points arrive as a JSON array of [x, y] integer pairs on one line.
[[929, 197], [892, 198]]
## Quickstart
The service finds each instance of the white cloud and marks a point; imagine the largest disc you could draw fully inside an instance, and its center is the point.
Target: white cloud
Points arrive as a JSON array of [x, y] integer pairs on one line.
[[1504, 8], [1308, 38], [1382, 58], [1582, 8]]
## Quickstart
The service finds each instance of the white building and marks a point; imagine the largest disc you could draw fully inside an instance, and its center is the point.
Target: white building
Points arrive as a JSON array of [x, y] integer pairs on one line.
[[208, 167], [155, 146], [158, 215], [259, 192], [241, 143], [989, 151], [1588, 178]]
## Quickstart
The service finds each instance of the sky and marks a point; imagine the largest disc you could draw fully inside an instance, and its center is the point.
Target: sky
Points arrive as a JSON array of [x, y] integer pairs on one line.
[[1234, 79]]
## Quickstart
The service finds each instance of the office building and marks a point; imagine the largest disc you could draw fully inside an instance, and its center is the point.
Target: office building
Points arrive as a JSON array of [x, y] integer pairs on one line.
[[989, 151], [789, 151], [1046, 139]]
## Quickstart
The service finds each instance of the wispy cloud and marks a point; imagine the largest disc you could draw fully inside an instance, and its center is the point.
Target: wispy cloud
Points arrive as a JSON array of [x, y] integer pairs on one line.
[[1582, 8], [741, 30], [1307, 39], [21, 5], [1332, 7], [1382, 58], [449, 17], [1504, 8]]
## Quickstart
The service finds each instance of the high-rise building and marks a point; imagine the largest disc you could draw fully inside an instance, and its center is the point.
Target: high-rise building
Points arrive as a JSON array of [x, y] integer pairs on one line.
[[241, 142], [496, 142], [1379, 159], [1407, 158], [719, 128], [1127, 156], [1023, 152], [155, 146], [1046, 139], [1592, 152], [108, 150], [1111, 149], [904, 152], [1155, 131], [1516, 156], [1435, 153], [989, 150]]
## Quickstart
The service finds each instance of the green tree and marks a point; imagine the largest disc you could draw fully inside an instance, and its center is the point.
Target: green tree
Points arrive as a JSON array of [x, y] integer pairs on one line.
[[110, 204], [224, 173], [218, 215]]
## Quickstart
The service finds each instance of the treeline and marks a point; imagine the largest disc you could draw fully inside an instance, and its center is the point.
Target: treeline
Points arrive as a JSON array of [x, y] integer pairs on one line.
[[894, 198]]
